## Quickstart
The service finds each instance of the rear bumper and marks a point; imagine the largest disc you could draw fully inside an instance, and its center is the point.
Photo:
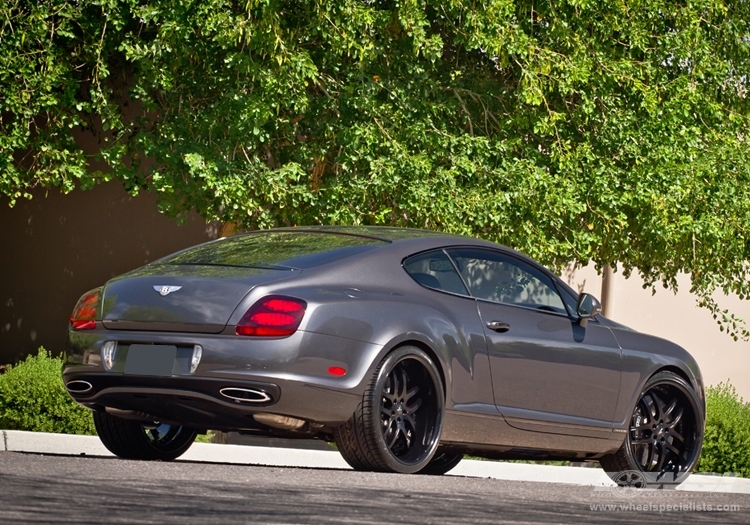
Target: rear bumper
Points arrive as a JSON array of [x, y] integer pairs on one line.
[[291, 372]]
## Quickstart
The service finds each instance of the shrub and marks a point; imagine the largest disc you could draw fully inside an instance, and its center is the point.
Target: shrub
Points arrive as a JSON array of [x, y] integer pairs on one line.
[[726, 446], [33, 397]]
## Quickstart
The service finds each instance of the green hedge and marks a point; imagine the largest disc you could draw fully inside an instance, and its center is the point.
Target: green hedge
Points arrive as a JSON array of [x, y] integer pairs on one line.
[[33, 397], [726, 447]]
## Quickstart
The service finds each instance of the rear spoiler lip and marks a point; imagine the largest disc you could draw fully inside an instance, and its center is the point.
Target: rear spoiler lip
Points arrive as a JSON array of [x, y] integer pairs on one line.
[[160, 326]]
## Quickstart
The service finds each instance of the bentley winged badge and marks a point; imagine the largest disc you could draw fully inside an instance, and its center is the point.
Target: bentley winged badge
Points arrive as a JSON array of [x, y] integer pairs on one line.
[[166, 290]]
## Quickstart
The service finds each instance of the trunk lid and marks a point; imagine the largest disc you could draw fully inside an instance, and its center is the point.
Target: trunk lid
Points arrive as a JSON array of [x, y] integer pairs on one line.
[[181, 298]]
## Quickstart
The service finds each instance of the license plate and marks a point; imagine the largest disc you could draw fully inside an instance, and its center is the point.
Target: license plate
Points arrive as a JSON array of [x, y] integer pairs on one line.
[[150, 360]]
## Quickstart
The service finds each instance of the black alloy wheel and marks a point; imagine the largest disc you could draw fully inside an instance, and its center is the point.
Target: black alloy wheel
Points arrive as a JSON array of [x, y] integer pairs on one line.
[[397, 426], [665, 434], [443, 461], [130, 439]]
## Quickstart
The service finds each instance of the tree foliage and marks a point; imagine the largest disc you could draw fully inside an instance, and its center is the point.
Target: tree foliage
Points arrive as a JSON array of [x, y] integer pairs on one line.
[[573, 131]]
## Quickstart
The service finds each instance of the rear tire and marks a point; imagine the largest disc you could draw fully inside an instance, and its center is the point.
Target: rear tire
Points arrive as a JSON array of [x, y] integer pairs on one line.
[[441, 463], [664, 438], [130, 439], [397, 426]]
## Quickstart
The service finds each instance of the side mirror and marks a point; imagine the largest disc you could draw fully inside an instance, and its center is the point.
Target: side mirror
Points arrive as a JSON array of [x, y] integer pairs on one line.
[[588, 306]]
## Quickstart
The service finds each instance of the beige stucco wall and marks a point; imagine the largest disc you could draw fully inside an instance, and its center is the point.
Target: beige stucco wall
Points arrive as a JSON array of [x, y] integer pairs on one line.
[[55, 247], [677, 318]]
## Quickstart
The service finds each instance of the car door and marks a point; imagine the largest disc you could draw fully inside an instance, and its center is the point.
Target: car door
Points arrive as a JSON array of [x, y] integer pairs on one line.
[[470, 411], [549, 373]]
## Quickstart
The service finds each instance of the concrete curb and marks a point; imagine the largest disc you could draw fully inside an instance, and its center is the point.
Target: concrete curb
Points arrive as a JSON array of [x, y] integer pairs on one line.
[[73, 445]]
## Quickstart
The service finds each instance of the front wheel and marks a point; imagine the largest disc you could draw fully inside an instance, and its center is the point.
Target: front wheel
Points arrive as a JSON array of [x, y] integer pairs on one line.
[[397, 426], [131, 439], [664, 439]]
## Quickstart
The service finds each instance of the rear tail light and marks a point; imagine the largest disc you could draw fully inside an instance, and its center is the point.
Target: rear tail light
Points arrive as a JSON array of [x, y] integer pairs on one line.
[[272, 316], [84, 314]]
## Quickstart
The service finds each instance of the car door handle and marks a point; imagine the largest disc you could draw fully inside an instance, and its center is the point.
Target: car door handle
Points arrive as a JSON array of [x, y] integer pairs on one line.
[[498, 326]]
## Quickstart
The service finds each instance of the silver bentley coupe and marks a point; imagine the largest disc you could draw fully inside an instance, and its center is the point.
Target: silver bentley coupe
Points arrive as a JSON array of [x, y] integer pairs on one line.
[[409, 349]]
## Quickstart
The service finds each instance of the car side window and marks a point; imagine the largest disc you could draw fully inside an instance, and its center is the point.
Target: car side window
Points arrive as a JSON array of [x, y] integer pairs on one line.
[[501, 278], [435, 270], [570, 301]]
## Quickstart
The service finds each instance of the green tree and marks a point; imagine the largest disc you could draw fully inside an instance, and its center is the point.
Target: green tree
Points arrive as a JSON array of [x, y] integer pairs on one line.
[[573, 131]]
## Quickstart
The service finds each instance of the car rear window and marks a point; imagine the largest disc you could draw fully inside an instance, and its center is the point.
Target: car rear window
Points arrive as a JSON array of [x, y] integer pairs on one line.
[[282, 250]]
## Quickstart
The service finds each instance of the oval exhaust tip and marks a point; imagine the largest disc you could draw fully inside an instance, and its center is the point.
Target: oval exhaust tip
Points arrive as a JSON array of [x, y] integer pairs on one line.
[[245, 395], [78, 386]]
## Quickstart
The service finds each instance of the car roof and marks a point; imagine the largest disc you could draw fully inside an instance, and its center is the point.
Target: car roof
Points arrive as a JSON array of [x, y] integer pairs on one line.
[[412, 241], [405, 240], [381, 233]]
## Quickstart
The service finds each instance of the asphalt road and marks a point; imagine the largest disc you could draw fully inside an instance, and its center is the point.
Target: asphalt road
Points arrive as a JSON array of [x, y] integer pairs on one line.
[[84, 490]]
